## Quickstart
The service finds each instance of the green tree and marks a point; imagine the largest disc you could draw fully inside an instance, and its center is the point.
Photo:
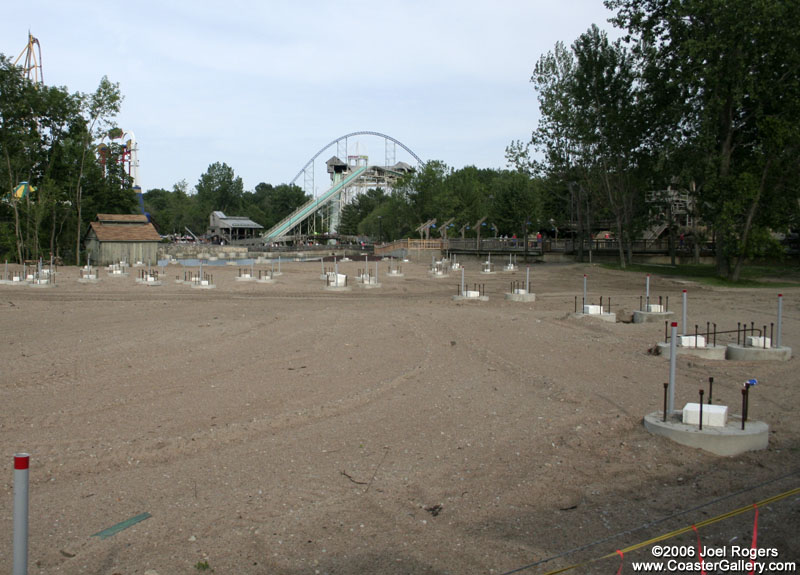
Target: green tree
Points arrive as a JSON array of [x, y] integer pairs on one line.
[[39, 128], [220, 189], [589, 128], [359, 209], [277, 202], [19, 139], [732, 71], [99, 109], [516, 203]]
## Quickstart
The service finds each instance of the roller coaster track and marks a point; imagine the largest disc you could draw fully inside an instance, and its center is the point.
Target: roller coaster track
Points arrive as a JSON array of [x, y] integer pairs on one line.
[[352, 134], [306, 210]]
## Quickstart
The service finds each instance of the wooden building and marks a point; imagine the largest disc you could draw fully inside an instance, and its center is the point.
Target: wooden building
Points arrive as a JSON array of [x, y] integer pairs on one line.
[[227, 229], [121, 237]]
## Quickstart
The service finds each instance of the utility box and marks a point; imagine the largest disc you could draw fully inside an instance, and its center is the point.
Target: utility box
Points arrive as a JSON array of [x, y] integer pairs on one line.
[[713, 415], [691, 341], [757, 341]]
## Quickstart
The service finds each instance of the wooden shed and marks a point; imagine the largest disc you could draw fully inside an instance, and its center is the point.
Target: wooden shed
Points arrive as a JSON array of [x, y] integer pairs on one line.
[[122, 237]]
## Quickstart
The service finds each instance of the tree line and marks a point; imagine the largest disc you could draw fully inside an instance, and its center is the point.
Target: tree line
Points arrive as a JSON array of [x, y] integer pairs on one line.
[[52, 181], [697, 96], [697, 100]]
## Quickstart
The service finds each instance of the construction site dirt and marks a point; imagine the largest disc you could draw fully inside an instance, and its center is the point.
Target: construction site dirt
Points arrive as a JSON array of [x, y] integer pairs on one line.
[[283, 428]]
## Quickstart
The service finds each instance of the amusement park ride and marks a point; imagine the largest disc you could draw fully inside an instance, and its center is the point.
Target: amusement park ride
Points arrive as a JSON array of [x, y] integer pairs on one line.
[[129, 158], [32, 64], [348, 179], [30, 60], [321, 214]]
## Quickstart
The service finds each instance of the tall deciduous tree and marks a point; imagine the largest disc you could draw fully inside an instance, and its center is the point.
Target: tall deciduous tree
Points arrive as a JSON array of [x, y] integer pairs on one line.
[[732, 69], [220, 189], [38, 129], [99, 110], [588, 129]]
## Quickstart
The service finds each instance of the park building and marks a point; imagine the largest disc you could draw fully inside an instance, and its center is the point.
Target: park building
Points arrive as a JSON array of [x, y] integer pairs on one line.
[[114, 238], [227, 229]]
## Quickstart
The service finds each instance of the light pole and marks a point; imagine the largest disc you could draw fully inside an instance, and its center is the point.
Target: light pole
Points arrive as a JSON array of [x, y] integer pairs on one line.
[[380, 229]]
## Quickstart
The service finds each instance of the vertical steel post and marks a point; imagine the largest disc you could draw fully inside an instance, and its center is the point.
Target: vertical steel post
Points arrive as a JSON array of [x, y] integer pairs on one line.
[[528, 279], [647, 294], [683, 320], [21, 465], [462, 281], [780, 318], [672, 363], [701, 410], [744, 404], [584, 289]]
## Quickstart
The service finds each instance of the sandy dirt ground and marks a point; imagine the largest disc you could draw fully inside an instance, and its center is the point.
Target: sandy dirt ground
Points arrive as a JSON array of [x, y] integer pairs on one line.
[[286, 429]]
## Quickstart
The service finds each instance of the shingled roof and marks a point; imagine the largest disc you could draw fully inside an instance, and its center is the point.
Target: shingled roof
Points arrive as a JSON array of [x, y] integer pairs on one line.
[[123, 218], [127, 232]]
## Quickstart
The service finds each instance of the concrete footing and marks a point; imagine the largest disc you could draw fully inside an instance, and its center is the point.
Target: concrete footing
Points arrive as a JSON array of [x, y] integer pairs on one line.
[[742, 353], [470, 298], [650, 316], [609, 317], [707, 352], [727, 441], [520, 296]]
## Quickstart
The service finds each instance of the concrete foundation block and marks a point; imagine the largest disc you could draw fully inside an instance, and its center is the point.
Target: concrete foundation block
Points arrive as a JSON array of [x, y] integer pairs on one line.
[[521, 295], [707, 352], [737, 352], [726, 441], [640, 316]]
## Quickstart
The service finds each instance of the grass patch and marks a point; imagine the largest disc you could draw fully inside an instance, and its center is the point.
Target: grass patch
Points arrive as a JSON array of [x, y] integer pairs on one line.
[[753, 276]]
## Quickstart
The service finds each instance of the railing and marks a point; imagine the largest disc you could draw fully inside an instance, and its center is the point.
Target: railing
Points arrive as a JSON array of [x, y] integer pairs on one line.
[[408, 245], [517, 245]]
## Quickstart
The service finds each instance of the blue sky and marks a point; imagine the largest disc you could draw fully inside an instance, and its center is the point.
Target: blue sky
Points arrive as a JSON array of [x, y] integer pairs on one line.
[[262, 86]]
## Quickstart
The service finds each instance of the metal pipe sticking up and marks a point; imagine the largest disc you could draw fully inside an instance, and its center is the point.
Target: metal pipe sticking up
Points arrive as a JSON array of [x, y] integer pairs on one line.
[[701, 410], [672, 365], [21, 466], [683, 320]]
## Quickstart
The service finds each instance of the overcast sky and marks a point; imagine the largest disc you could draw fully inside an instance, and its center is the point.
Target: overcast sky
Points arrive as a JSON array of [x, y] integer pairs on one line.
[[262, 86]]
